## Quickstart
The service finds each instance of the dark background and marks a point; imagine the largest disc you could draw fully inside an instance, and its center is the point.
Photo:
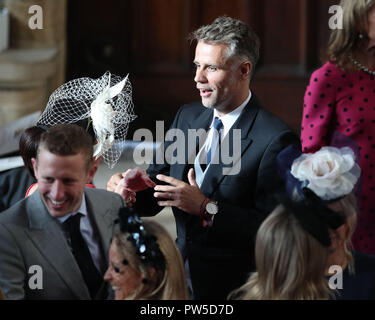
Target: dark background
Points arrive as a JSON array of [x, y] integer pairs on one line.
[[148, 40]]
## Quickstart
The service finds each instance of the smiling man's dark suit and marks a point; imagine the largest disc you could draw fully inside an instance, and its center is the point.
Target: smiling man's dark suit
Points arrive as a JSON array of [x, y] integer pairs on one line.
[[30, 236], [222, 256]]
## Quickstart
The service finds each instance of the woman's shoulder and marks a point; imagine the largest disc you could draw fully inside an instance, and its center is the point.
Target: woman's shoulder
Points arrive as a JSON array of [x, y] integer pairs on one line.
[[328, 70], [324, 81]]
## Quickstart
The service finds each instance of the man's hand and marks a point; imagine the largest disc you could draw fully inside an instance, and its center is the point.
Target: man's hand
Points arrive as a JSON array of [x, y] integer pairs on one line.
[[137, 180], [184, 196], [128, 183], [114, 181]]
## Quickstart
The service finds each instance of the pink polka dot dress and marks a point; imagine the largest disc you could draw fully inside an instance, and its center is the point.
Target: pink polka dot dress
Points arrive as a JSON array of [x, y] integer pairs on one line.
[[345, 102]]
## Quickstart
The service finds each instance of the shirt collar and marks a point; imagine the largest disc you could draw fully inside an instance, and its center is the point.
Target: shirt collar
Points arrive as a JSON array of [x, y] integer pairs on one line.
[[82, 210], [230, 118]]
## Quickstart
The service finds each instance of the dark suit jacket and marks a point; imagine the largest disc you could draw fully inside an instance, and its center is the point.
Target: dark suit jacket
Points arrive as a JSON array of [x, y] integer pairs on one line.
[[222, 256], [13, 186], [30, 236]]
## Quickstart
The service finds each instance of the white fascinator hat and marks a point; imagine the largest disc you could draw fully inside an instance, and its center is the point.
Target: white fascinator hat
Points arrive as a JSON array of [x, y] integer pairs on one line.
[[104, 105]]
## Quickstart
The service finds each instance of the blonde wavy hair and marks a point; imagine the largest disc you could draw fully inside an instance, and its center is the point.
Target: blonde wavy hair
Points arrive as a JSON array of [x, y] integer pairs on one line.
[[167, 284], [290, 262], [343, 42], [348, 210]]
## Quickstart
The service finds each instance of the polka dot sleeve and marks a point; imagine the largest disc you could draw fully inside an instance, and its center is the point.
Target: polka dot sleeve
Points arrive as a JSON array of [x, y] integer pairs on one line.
[[318, 110]]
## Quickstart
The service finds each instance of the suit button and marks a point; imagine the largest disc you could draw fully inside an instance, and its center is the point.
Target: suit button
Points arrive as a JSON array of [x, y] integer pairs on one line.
[[188, 239]]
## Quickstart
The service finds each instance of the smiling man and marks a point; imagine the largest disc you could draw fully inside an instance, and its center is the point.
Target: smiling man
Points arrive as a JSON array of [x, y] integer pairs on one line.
[[54, 244], [217, 214]]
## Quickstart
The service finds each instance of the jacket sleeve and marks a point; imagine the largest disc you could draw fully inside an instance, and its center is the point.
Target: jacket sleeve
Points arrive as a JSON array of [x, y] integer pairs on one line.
[[318, 111], [146, 203], [12, 268]]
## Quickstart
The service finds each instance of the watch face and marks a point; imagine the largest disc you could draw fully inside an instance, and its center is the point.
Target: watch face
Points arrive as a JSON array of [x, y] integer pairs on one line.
[[211, 208]]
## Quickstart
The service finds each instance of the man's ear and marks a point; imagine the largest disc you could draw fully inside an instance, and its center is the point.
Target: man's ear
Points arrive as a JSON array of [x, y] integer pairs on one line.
[[93, 169], [35, 167], [245, 70]]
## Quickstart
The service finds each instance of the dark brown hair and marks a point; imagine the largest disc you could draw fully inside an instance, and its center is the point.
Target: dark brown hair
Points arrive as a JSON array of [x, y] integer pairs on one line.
[[28, 146], [67, 140]]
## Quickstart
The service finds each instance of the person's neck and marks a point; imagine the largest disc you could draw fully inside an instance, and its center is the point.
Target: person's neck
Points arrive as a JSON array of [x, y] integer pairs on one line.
[[366, 56], [238, 103], [337, 258]]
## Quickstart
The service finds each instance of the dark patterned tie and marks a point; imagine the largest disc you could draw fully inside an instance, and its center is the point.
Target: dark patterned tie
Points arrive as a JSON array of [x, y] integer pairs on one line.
[[81, 252]]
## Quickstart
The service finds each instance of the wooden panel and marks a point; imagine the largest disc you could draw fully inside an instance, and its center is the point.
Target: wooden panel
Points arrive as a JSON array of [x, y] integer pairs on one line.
[[211, 9], [98, 37], [283, 98], [158, 38], [294, 36], [279, 46]]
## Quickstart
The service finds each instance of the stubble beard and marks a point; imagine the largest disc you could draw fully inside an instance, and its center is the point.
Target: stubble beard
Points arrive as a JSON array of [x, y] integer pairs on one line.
[[213, 105]]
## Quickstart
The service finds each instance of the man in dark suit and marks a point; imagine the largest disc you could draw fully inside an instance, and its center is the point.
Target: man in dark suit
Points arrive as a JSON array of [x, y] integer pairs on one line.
[[13, 186], [218, 208], [54, 244]]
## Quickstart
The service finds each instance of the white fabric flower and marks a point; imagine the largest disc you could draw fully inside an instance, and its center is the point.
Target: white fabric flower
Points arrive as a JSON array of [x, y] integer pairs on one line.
[[102, 115], [330, 172]]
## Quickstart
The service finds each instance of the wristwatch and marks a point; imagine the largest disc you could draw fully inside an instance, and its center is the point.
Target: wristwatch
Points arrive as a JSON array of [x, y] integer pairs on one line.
[[211, 207]]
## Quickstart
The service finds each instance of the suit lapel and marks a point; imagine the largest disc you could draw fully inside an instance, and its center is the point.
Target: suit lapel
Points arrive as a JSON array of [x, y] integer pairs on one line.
[[46, 234], [201, 126], [104, 220], [244, 123]]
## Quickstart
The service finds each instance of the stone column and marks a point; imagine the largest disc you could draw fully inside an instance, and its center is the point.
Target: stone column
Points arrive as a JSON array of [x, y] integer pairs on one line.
[[34, 64], [53, 34]]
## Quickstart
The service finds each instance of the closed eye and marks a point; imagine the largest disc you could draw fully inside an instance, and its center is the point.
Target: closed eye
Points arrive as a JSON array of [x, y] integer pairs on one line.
[[116, 268], [69, 181]]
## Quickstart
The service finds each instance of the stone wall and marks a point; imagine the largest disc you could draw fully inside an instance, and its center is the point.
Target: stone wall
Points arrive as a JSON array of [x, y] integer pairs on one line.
[[34, 65]]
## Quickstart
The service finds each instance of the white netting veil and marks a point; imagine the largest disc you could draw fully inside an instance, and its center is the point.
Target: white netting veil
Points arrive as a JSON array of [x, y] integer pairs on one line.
[[105, 103]]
